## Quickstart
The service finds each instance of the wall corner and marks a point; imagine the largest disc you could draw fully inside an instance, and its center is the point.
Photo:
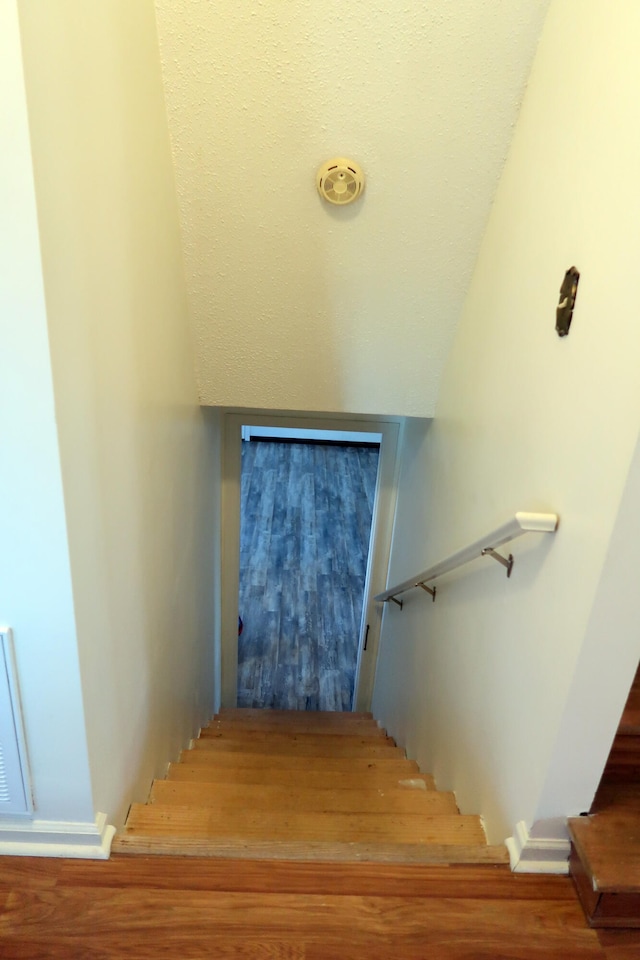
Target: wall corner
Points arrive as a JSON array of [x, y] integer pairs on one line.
[[542, 853]]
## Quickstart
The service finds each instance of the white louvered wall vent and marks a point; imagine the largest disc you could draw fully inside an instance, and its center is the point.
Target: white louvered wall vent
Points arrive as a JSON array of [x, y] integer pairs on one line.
[[14, 787]]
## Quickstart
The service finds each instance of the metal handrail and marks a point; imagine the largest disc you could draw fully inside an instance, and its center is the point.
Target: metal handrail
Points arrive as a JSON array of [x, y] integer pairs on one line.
[[485, 547]]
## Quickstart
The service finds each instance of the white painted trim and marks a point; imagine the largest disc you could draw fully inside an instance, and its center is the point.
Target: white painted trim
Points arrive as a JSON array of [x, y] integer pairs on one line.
[[51, 838], [293, 433], [14, 749], [537, 854], [384, 512]]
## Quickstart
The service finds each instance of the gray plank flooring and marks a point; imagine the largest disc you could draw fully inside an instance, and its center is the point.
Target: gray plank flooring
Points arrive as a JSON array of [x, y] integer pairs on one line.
[[304, 537]]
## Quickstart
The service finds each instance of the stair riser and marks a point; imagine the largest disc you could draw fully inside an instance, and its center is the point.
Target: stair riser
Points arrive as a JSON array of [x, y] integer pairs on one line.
[[299, 748], [202, 823], [295, 718], [279, 727], [231, 797], [301, 765], [382, 853], [316, 779], [329, 741], [603, 909]]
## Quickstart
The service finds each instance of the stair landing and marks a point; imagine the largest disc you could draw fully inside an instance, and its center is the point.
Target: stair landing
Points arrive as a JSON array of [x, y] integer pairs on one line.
[[286, 785]]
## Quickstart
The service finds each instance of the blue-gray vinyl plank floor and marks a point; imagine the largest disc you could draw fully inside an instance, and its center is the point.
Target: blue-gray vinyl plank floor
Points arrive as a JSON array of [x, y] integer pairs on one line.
[[306, 513]]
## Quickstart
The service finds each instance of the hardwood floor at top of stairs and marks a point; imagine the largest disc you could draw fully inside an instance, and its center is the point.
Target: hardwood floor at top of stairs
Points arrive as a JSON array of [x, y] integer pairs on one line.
[[173, 908]]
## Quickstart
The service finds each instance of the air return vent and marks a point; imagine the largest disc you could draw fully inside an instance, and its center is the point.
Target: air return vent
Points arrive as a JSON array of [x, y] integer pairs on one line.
[[14, 791], [340, 181]]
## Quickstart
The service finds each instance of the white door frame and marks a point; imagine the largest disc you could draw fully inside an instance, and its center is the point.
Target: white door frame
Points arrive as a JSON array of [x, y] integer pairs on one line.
[[379, 550]]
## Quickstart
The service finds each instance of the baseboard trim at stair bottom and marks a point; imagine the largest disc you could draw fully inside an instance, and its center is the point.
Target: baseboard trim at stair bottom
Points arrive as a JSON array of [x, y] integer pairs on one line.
[[52, 838], [311, 851], [529, 854]]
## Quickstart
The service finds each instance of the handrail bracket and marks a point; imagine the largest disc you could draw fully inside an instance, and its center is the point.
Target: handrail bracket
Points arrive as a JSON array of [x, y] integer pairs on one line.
[[431, 590], [506, 562], [399, 602]]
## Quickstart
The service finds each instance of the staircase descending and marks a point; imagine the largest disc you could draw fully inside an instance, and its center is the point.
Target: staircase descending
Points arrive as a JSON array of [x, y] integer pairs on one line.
[[605, 857], [302, 786]]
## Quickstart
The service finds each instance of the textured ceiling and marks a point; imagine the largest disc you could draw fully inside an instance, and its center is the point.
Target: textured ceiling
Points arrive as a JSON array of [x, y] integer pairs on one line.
[[297, 304]]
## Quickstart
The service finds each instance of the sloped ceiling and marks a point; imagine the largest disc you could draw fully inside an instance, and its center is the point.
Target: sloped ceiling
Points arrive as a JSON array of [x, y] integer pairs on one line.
[[297, 304]]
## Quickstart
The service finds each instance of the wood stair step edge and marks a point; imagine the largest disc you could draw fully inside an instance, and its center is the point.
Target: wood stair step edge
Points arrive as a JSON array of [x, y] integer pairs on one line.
[[319, 852], [319, 779], [299, 747], [626, 741], [293, 716], [626, 748], [622, 773], [634, 692], [617, 794], [317, 728], [206, 823], [303, 764], [325, 740], [630, 725], [576, 835], [630, 721], [608, 847], [603, 910], [233, 796]]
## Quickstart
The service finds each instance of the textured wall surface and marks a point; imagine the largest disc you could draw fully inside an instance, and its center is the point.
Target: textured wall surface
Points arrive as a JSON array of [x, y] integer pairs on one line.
[[297, 304]]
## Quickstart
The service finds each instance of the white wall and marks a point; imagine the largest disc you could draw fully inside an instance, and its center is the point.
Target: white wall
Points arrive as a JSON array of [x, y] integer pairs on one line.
[[136, 451], [298, 305], [491, 685], [35, 580]]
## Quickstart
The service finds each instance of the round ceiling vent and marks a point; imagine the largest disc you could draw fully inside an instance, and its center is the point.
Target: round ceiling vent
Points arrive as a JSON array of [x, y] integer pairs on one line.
[[340, 181]]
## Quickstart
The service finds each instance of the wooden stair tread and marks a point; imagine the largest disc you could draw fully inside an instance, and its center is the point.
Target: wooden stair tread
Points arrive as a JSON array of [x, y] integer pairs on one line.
[[295, 718], [300, 764], [326, 739], [608, 845], [626, 744], [342, 778], [630, 723], [624, 761], [633, 700], [288, 825], [404, 853], [303, 746], [293, 796], [617, 794], [314, 724]]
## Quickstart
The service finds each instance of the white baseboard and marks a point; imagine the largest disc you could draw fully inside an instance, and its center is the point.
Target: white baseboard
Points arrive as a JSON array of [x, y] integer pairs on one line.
[[50, 838], [537, 854]]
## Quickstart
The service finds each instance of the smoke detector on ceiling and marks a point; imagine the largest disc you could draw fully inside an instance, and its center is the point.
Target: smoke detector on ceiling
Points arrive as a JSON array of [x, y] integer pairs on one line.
[[340, 181]]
